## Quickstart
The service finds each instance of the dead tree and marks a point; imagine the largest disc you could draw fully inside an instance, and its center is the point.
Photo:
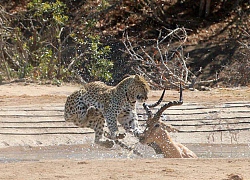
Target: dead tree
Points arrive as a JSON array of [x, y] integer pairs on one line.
[[163, 62], [157, 132]]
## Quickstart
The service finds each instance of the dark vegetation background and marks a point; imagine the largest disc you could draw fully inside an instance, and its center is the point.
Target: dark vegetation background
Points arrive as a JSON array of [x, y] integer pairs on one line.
[[60, 41]]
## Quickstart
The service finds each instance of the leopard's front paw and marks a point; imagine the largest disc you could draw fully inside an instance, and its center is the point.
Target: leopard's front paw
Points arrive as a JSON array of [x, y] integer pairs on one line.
[[120, 136], [114, 136]]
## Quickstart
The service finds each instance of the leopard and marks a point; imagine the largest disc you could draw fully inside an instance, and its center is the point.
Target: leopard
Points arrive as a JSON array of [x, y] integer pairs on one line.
[[96, 103]]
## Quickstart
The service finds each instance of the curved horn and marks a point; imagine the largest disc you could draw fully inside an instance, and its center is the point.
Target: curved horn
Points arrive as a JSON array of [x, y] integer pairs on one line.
[[169, 104], [159, 101], [147, 106]]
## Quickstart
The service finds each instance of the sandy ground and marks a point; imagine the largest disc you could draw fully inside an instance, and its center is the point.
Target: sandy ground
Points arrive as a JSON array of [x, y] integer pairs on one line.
[[147, 169], [53, 168]]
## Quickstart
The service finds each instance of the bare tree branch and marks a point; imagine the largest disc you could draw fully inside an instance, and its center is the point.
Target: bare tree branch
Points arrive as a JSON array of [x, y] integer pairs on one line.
[[166, 65]]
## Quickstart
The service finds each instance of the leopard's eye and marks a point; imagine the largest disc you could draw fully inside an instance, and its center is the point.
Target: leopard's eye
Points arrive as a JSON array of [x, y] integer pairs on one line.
[[139, 96]]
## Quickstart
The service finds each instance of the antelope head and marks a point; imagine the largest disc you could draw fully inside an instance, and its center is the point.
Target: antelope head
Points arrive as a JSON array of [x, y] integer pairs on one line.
[[157, 135], [156, 130]]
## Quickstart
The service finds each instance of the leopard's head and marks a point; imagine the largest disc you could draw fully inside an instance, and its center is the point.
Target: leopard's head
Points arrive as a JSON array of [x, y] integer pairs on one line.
[[139, 89]]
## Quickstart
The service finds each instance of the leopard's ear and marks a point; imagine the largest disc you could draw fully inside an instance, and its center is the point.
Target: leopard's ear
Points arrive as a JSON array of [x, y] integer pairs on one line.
[[137, 77]]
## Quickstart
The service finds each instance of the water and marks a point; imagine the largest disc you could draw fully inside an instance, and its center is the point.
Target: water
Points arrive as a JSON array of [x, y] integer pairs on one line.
[[92, 151]]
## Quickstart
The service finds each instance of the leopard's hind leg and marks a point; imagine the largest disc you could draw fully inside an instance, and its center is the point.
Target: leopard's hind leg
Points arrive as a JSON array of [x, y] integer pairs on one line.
[[96, 122], [76, 113], [88, 117]]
